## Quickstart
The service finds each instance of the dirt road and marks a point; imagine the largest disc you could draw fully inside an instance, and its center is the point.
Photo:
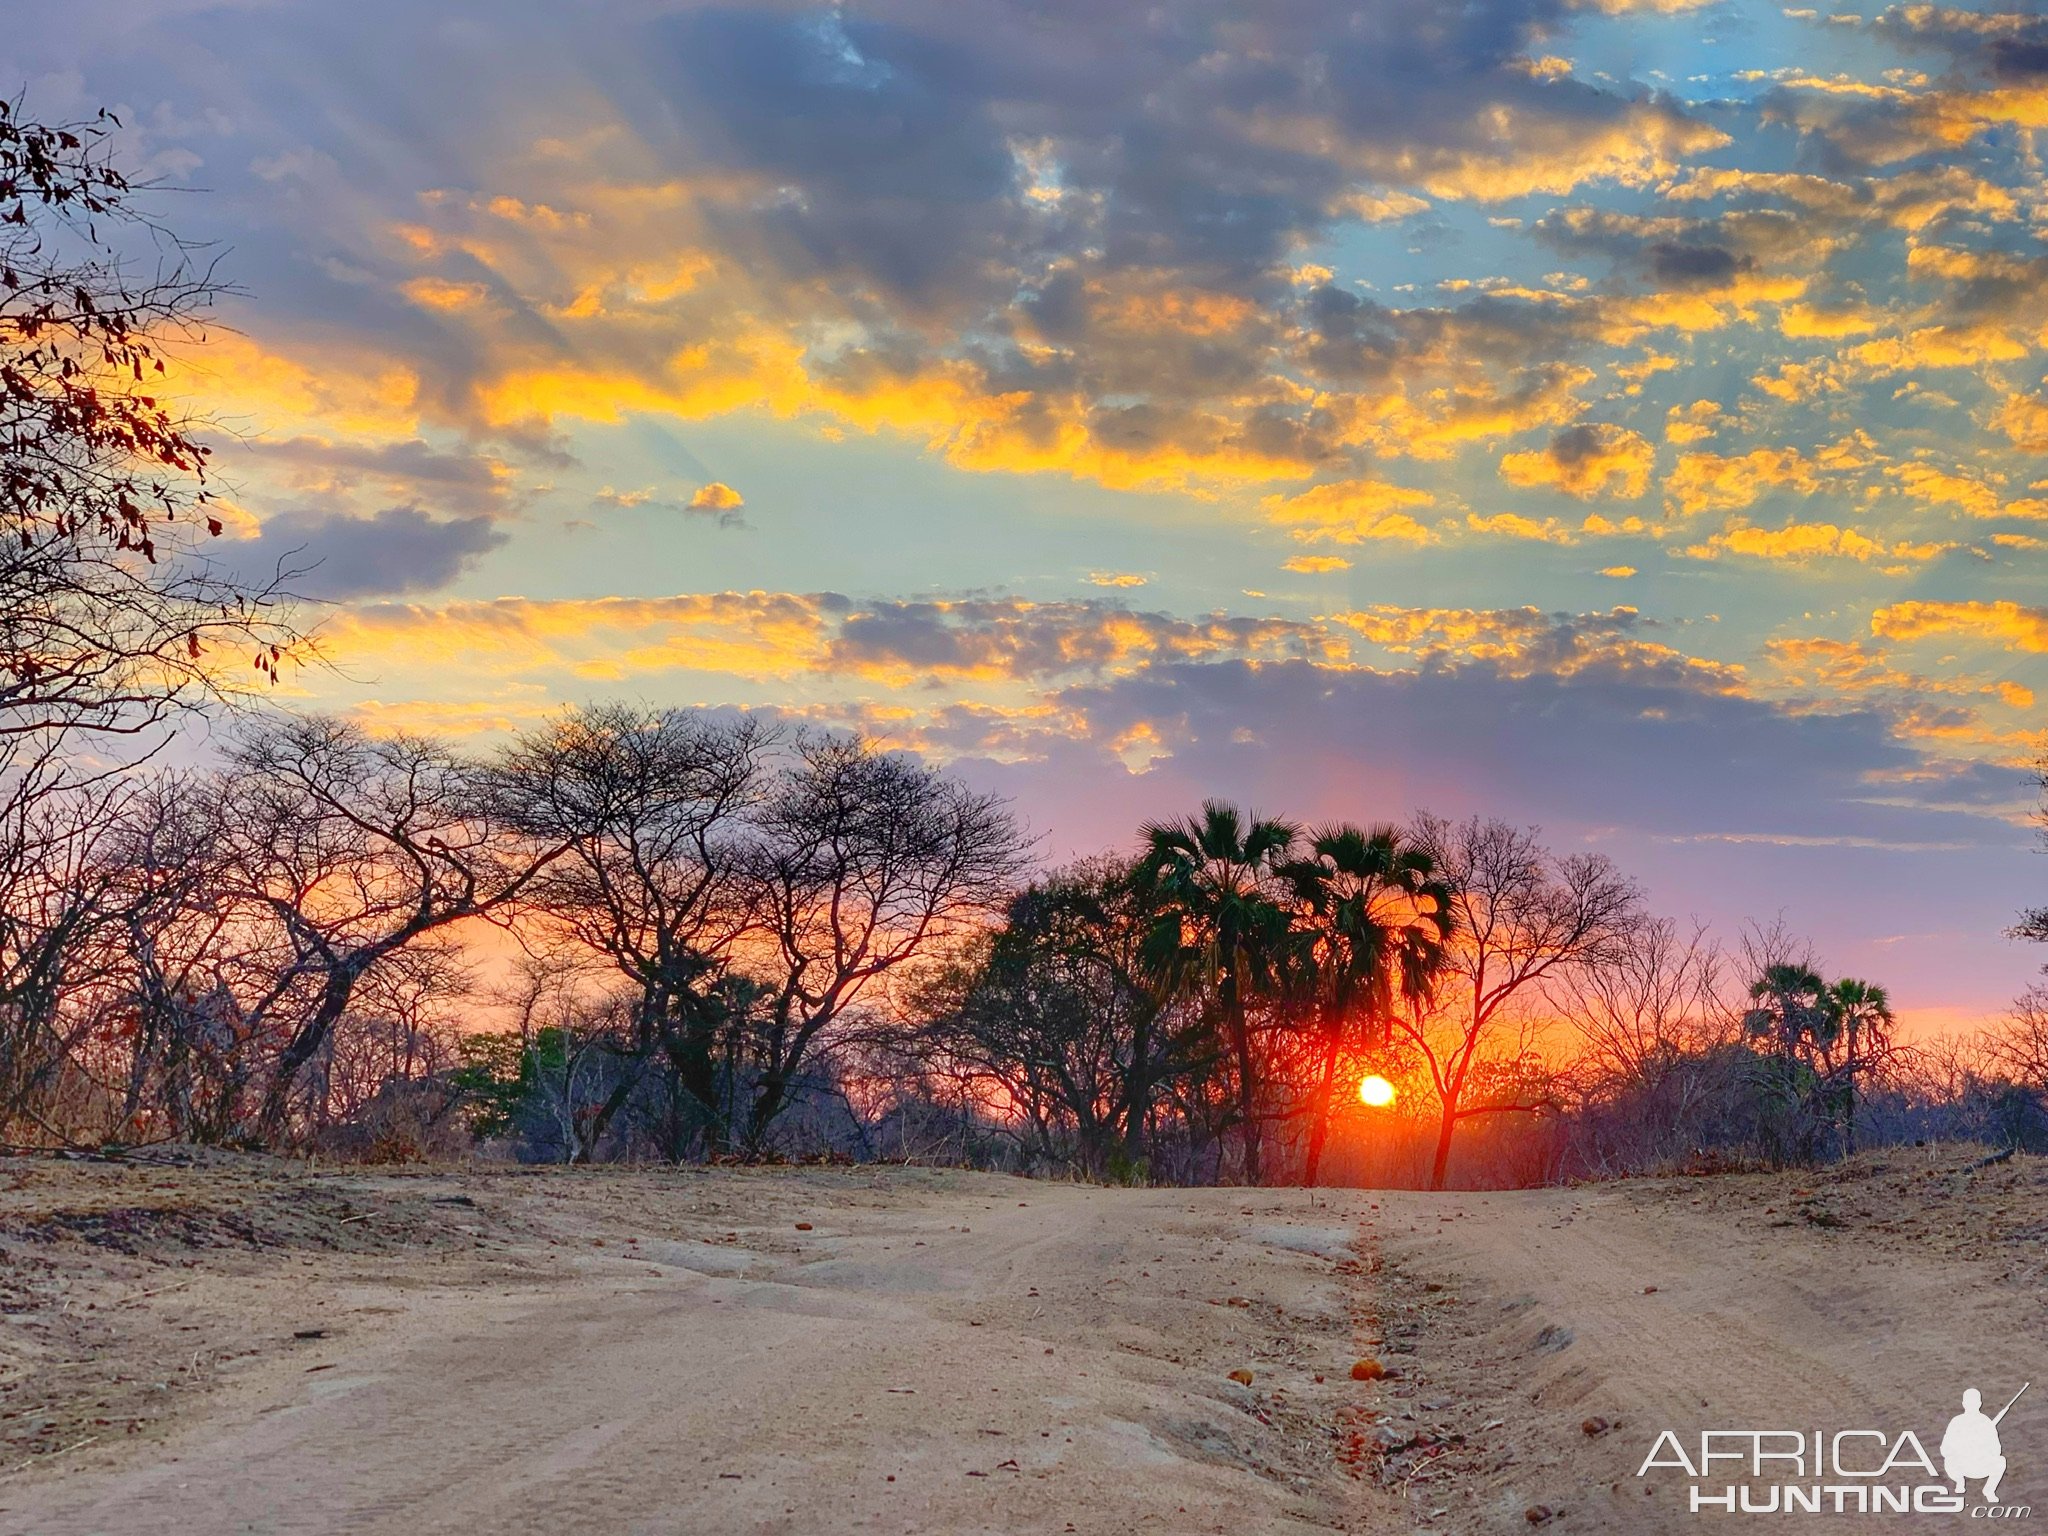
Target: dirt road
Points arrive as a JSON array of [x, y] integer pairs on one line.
[[711, 1352], [1560, 1332]]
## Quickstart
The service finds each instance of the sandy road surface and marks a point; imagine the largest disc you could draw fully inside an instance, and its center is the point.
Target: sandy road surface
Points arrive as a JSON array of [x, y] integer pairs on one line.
[[941, 1353], [1529, 1318], [670, 1351]]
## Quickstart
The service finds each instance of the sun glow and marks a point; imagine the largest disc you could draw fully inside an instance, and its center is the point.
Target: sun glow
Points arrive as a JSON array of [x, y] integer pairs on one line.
[[1375, 1091]]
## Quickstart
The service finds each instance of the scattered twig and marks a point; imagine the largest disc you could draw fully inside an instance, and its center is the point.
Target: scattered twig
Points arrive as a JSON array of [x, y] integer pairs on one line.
[[159, 1290], [36, 1461]]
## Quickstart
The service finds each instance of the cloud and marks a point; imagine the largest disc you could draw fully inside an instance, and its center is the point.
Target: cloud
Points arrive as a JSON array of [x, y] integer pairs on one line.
[[1001, 640], [1590, 460], [1799, 543], [715, 497], [2024, 420], [333, 556], [772, 635], [1515, 526], [1610, 752], [1315, 565], [754, 635], [1073, 250], [1353, 512], [1702, 481], [2001, 623], [456, 478], [1821, 666]]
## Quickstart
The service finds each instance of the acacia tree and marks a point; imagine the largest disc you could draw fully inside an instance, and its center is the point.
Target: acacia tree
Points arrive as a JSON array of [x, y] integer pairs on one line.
[[352, 847], [1373, 926], [652, 807], [858, 861], [1522, 915], [1218, 929]]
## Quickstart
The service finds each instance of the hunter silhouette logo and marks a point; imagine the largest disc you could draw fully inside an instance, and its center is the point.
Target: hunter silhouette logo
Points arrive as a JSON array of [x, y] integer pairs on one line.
[[1970, 1447], [1855, 1471]]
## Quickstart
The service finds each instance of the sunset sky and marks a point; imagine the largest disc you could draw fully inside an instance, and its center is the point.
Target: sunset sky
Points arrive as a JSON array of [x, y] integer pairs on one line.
[[1623, 417]]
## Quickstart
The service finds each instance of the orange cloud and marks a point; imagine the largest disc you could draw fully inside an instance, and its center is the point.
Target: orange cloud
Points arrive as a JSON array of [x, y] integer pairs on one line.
[[2024, 419], [1937, 487], [1514, 526], [1508, 152], [1594, 459], [716, 497], [1352, 512], [2000, 623], [1798, 543], [1692, 423], [1824, 666], [1713, 482]]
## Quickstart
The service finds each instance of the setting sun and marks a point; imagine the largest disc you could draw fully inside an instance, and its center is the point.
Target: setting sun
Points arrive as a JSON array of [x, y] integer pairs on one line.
[[1376, 1091]]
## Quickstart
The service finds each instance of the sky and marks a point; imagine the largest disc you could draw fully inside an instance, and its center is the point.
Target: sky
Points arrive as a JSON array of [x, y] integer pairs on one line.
[[1626, 417]]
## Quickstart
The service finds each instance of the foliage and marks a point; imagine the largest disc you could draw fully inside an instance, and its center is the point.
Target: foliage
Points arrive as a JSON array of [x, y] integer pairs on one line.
[[109, 614]]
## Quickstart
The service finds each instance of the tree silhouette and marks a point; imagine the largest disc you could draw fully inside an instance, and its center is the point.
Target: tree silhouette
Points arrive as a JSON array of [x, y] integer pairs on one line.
[[1218, 929], [1374, 925]]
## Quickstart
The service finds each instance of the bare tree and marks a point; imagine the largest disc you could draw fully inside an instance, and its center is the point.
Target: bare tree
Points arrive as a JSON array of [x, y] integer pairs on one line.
[[354, 847], [1655, 1024], [652, 808], [1660, 994], [1522, 915], [61, 890], [860, 861], [2018, 1043]]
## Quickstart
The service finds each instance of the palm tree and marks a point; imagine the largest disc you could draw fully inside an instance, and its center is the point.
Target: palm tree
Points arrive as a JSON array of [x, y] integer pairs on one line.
[[1216, 929], [1826, 1036], [1863, 1012], [1792, 1009], [1377, 924], [1793, 1014]]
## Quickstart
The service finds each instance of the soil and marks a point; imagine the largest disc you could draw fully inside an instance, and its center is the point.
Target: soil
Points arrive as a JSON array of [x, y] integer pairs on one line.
[[201, 1342]]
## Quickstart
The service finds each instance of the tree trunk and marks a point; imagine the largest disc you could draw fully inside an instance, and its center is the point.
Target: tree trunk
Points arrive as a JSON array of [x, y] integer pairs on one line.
[[1247, 1098], [1319, 1127], [696, 1076], [302, 1048], [1849, 1100], [594, 1128], [1138, 1097], [769, 1099], [1441, 1165]]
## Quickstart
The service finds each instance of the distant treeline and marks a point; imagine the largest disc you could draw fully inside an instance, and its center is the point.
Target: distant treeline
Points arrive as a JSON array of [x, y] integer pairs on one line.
[[640, 934]]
